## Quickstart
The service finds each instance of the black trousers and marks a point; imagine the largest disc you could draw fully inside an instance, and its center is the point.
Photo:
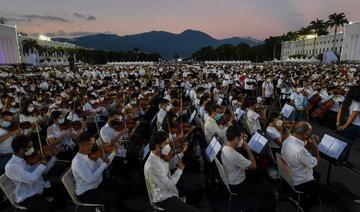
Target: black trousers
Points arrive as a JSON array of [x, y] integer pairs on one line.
[[257, 191], [112, 192], [174, 204], [327, 194], [39, 203]]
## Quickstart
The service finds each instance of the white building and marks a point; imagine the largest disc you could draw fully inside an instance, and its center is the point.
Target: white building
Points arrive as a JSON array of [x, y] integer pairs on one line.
[[347, 44], [35, 58], [11, 49]]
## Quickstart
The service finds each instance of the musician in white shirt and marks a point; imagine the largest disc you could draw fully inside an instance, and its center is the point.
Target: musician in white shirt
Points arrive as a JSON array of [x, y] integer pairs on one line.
[[302, 161], [90, 187], [6, 138], [31, 189], [161, 183], [235, 164], [211, 126]]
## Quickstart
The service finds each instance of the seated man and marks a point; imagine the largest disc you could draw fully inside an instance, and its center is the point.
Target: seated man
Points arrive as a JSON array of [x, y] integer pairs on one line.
[[162, 184], [31, 189], [90, 186], [235, 164], [6, 137], [295, 152], [211, 126]]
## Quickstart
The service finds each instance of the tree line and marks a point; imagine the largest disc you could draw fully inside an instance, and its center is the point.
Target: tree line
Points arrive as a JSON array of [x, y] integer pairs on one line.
[[271, 48]]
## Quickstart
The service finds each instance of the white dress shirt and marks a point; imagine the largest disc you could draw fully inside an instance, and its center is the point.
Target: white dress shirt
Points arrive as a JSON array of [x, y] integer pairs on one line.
[[274, 134], [87, 173], [54, 132], [107, 133], [252, 119], [300, 160], [27, 178], [5, 146], [212, 128], [234, 165], [162, 183]]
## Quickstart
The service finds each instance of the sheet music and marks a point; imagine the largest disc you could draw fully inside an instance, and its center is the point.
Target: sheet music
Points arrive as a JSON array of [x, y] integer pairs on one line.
[[257, 142], [287, 110], [239, 113], [331, 146], [146, 151], [192, 116], [213, 149]]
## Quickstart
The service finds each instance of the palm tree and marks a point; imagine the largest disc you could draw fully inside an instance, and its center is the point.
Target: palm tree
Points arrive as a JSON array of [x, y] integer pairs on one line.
[[303, 32], [318, 27], [29, 45], [336, 20]]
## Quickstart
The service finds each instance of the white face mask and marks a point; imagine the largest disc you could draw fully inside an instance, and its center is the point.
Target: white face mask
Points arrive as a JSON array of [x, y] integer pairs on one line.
[[30, 151], [279, 123], [30, 109], [166, 149], [241, 143], [168, 108]]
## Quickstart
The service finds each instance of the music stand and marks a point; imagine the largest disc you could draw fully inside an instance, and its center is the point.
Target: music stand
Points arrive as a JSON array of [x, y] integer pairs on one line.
[[258, 143], [212, 149]]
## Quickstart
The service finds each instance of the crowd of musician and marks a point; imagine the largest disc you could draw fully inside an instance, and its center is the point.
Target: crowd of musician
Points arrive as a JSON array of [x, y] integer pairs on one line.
[[127, 131]]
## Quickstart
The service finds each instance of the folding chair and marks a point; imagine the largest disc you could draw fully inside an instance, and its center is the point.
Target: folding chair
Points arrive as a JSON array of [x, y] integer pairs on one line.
[[148, 188], [8, 187], [286, 173], [69, 183]]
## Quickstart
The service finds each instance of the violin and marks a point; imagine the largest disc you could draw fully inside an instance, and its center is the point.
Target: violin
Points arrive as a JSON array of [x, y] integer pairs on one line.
[[25, 125], [37, 157], [97, 152]]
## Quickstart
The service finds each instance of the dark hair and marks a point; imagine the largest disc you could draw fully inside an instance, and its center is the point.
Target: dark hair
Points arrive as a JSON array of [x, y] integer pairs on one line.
[[233, 132], [273, 115], [249, 101], [55, 115], [157, 138], [6, 113], [214, 107], [20, 142], [354, 94], [85, 137], [111, 113]]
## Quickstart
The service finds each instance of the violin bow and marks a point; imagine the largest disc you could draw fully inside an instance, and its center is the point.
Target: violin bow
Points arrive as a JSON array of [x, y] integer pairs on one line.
[[98, 131], [181, 110], [38, 136], [172, 139]]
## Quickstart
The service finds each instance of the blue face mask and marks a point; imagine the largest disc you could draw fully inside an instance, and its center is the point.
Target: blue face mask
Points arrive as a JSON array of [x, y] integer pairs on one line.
[[218, 116], [5, 124]]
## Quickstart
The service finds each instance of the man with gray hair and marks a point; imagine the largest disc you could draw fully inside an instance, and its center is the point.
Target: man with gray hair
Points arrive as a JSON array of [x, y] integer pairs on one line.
[[300, 149]]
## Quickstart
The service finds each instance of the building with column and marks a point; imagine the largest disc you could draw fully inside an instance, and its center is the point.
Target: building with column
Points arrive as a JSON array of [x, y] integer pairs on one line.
[[9, 48], [43, 50], [347, 44]]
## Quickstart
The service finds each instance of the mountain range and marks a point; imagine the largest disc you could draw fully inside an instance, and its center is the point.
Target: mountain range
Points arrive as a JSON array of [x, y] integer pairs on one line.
[[165, 43]]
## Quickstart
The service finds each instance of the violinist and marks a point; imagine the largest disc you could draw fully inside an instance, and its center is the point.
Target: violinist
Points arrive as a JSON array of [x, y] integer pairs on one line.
[[163, 184], [31, 190], [275, 130], [212, 127], [164, 107], [59, 136], [90, 186], [337, 98], [252, 117], [6, 137]]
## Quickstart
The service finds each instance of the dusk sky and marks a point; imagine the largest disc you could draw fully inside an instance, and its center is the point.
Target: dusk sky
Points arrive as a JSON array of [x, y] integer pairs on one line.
[[218, 18]]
